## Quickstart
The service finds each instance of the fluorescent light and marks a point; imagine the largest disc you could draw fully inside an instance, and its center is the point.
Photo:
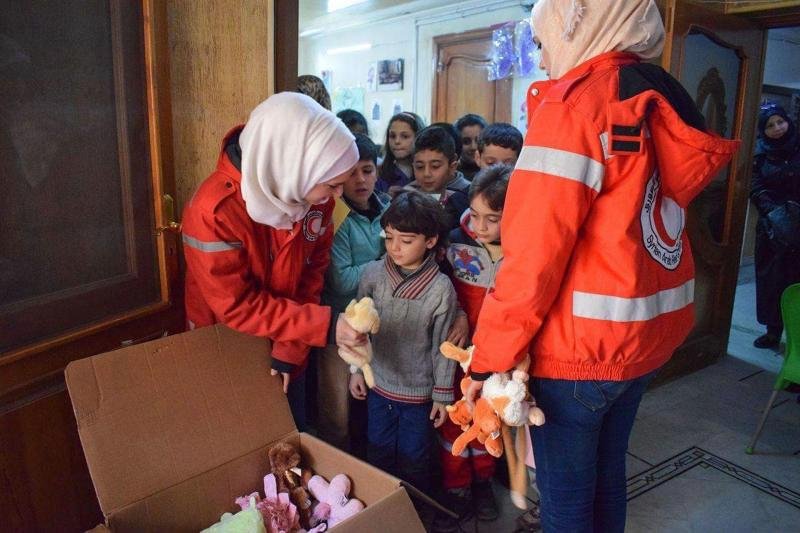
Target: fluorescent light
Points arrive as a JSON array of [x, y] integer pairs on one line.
[[312, 31], [335, 5], [346, 49]]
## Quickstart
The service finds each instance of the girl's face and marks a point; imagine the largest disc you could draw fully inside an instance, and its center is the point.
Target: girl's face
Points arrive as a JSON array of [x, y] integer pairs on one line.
[[401, 139], [776, 127], [407, 250], [484, 220], [359, 186], [321, 193], [544, 57]]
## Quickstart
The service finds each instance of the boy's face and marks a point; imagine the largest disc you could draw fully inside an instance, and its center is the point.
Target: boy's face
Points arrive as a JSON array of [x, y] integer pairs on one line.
[[432, 170], [484, 220], [407, 250], [469, 142], [493, 154], [361, 183]]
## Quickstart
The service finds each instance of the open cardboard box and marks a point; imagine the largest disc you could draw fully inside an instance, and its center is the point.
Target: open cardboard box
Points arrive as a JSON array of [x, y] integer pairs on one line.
[[177, 428]]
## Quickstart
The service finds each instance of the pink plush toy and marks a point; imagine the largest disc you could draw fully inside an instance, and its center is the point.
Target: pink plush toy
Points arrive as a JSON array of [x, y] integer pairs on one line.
[[334, 506]]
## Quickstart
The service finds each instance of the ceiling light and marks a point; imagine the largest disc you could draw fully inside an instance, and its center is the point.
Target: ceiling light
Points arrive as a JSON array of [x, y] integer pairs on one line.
[[335, 5], [346, 49]]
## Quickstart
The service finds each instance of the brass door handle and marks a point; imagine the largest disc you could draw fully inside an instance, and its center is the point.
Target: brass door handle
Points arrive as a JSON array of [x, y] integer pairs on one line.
[[168, 214]]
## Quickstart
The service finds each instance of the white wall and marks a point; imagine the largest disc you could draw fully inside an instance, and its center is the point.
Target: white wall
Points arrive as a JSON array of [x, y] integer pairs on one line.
[[409, 37]]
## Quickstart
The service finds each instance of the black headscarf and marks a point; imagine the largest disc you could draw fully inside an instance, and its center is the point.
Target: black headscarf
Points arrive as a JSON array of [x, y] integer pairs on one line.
[[785, 143]]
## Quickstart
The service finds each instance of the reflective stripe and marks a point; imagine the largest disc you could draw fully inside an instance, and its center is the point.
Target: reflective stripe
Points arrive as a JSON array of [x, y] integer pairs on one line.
[[604, 143], [618, 309], [568, 165], [210, 246]]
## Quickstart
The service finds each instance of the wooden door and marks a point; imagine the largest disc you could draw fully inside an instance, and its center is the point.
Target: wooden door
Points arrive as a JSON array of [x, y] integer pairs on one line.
[[461, 82], [85, 162], [719, 60]]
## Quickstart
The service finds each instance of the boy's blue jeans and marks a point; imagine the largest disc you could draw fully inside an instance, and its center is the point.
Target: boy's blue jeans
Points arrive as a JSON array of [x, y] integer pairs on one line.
[[580, 451], [399, 439]]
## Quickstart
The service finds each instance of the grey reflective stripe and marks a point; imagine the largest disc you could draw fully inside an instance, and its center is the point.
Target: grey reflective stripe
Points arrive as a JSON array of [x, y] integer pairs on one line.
[[618, 309], [563, 164], [210, 246]]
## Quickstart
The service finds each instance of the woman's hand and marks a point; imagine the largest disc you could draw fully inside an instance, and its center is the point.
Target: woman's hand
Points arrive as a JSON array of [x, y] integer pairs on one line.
[[472, 393], [347, 336], [459, 331], [358, 387], [438, 414]]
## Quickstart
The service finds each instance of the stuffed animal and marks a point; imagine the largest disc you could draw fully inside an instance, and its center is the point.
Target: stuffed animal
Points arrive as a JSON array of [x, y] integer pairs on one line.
[[334, 505], [510, 399], [284, 460], [485, 427], [363, 317], [460, 412], [248, 520], [461, 356]]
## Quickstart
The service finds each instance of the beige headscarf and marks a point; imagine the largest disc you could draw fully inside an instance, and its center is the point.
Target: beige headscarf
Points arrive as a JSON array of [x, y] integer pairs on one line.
[[574, 31], [290, 144]]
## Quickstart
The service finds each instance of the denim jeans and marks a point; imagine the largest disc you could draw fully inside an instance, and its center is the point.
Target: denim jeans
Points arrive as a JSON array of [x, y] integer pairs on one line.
[[580, 451], [399, 439]]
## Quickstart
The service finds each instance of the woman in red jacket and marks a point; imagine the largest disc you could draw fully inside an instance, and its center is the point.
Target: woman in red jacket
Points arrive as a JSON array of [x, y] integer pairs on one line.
[[257, 233], [597, 282]]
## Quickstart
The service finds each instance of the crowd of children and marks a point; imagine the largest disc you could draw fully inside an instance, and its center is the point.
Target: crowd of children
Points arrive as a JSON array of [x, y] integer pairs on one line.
[[423, 241]]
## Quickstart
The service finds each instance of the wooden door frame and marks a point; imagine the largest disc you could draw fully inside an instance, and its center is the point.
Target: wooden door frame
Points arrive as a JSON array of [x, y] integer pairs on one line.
[[504, 86], [287, 22], [36, 371]]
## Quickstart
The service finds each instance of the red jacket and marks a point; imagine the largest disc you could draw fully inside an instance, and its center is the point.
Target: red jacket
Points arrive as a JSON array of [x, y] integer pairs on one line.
[[597, 281], [254, 278]]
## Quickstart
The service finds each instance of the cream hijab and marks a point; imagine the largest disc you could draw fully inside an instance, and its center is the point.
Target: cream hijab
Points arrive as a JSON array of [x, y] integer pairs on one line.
[[574, 31], [290, 144]]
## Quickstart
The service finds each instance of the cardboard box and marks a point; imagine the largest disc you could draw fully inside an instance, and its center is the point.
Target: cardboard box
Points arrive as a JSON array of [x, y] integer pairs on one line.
[[175, 429]]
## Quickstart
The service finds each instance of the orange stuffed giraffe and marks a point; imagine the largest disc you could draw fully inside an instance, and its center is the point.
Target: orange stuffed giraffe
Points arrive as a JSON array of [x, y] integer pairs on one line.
[[485, 427]]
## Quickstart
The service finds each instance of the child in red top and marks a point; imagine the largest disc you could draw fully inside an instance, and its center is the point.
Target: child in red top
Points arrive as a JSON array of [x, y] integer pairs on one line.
[[473, 257]]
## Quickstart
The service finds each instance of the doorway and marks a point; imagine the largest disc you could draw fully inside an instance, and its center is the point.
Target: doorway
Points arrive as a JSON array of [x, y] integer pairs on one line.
[[781, 85]]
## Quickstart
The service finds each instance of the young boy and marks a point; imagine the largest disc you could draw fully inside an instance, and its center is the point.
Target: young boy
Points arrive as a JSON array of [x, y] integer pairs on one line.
[[474, 255], [357, 242], [417, 304], [469, 128], [499, 143], [435, 165]]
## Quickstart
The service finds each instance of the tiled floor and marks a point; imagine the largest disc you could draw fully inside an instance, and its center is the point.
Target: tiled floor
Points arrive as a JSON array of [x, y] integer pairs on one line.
[[687, 468]]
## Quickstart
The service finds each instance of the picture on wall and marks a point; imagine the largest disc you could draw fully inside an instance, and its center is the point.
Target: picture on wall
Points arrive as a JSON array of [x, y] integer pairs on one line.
[[390, 75]]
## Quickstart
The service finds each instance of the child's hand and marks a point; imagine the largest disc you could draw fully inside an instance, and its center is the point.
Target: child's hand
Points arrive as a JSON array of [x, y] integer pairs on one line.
[[358, 387], [459, 331], [438, 414], [346, 335]]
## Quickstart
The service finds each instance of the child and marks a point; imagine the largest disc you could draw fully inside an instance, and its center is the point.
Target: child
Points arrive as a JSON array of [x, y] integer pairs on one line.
[[395, 171], [435, 166], [469, 127], [459, 182], [416, 303], [354, 121], [474, 255], [356, 243], [499, 143]]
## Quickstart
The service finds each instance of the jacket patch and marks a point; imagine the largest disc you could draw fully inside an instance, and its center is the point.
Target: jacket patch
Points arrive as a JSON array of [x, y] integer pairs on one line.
[[663, 222], [312, 225], [467, 265]]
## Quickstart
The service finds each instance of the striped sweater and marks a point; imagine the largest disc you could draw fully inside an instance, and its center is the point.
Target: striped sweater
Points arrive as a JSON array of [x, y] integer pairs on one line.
[[416, 313]]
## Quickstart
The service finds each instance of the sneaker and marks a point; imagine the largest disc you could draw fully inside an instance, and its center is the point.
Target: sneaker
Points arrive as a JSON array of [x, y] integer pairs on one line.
[[485, 502], [457, 500], [767, 340], [529, 521]]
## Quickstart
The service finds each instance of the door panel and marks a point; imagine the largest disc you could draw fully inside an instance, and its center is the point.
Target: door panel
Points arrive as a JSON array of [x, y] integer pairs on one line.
[[85, 160], [461, 83], [719, 60]]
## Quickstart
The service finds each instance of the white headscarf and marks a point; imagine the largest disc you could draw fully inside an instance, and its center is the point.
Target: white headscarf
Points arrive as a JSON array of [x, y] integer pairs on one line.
[[290, 144], [574, 31]]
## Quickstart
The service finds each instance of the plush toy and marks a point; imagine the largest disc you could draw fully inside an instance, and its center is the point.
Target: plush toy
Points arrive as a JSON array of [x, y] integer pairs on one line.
[[510, 400], [363, 317], [460, 412], [461, 356], [284, 460], [248, 520], [334, 506], [485, 427]]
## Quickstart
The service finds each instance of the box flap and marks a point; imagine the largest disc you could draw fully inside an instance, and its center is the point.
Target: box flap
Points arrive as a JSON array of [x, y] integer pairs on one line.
[[393, 514], [155, 414]]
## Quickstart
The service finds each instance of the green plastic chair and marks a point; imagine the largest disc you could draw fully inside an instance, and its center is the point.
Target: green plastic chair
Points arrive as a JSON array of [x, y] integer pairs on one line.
[[790, 371]]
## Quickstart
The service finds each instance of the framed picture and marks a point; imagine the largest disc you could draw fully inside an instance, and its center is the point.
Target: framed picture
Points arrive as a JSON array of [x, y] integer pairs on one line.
[[390, 75]]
